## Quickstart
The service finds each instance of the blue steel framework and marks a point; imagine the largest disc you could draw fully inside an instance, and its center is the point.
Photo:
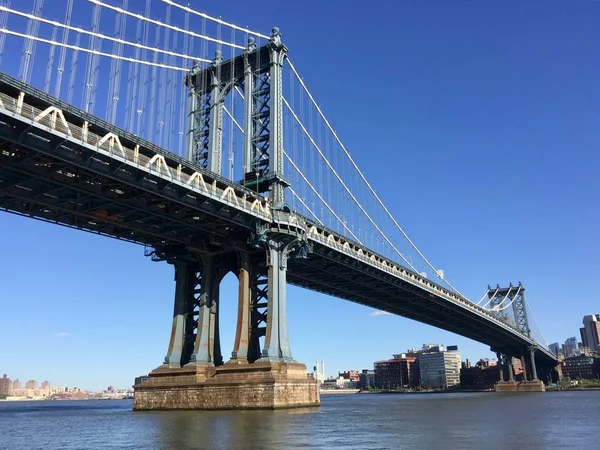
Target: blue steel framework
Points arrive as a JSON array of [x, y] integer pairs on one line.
[[64, 166]]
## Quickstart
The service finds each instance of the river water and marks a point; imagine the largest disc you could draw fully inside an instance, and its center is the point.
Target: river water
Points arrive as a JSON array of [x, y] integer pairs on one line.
[[555, 420]]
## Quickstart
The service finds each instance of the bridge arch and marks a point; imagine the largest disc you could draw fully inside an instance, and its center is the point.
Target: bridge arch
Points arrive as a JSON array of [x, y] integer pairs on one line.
[[226, 292]]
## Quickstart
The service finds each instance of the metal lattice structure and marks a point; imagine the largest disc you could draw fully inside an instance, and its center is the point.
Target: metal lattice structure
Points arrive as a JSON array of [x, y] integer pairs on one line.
[[509, 304]]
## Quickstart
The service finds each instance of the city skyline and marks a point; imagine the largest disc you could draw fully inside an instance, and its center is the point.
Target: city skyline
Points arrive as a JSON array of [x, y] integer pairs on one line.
[[334, 370], [8, 384]]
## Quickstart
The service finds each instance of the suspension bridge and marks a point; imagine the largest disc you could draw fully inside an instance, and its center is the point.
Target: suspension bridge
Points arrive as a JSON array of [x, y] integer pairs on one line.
[[154, 123]]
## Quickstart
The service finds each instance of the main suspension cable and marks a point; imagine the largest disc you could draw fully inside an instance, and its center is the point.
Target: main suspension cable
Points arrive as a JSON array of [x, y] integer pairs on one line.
[[387, 211]]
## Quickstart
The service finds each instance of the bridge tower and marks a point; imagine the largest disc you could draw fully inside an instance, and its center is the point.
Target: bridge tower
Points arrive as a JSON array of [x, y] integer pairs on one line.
[[261, 372], [502, 300]]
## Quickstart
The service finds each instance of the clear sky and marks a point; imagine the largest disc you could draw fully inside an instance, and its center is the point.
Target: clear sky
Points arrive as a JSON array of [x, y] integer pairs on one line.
[[487, 114]]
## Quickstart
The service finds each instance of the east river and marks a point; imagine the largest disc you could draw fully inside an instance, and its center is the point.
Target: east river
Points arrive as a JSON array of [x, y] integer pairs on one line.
[[555, 420]]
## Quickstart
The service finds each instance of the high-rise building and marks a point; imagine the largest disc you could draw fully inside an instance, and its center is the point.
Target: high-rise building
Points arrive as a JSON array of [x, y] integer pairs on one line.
[[31, 384], [4, 385], [571, 348], [590, 333], [45, 385], [440, 368], [555, 348]]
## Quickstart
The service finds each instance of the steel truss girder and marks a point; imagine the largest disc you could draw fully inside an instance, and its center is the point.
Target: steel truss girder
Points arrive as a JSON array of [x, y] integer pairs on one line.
[[117, 206], [93, 164]]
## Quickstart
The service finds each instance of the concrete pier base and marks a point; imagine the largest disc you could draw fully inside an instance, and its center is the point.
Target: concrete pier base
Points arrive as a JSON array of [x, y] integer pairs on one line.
[[271, 385], [523, 386]]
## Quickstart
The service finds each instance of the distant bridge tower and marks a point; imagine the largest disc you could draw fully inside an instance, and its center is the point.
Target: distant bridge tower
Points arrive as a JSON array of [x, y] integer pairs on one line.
[[511, 297], [501, 301]]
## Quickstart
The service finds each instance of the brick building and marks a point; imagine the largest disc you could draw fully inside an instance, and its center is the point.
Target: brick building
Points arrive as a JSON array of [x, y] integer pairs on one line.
[[483, 376], [352, 375], [581, 367], [402, 371]]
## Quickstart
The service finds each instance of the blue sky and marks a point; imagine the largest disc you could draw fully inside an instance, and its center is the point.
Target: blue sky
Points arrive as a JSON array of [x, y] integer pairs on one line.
[[481, 124]]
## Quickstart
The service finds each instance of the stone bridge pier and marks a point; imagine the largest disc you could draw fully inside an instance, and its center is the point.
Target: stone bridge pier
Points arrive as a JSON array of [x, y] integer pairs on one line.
[[261, 372], [507, 382]]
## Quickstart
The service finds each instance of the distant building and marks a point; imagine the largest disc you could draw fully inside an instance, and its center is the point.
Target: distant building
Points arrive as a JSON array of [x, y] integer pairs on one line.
[[352, 375], [366, 379], [45, 385], [31, 384], [5, 385], [584, 350], [15, 386], [517, 365], [581, 367], [590, 333], [571, 348], [402, 371], [338, 383], [555, 348], [440, 367], [481, 377]]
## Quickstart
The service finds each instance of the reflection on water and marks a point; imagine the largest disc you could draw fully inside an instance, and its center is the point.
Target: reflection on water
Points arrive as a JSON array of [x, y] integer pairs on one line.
[[434, 421], [229, 429]]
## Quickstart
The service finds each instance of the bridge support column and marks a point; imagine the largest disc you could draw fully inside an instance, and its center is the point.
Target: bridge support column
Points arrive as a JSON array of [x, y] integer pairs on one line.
[[533, 368], [277, 343], [511, 371], [500, 366], [176, 343], [239, 355], [204, 343]]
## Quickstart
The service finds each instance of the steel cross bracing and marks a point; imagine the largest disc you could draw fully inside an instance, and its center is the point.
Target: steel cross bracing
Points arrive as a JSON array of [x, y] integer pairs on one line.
[[126, 188], [257, 71]]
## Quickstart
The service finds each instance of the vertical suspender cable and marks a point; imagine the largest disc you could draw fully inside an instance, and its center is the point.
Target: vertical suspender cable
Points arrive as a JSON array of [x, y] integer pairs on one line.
[[141, 106], [3, 24], [151, 133], [63, 50], [29, 44], [389, 214], [50, 67], [133, 89], [184, 107], [174, 83], [73, 72]]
